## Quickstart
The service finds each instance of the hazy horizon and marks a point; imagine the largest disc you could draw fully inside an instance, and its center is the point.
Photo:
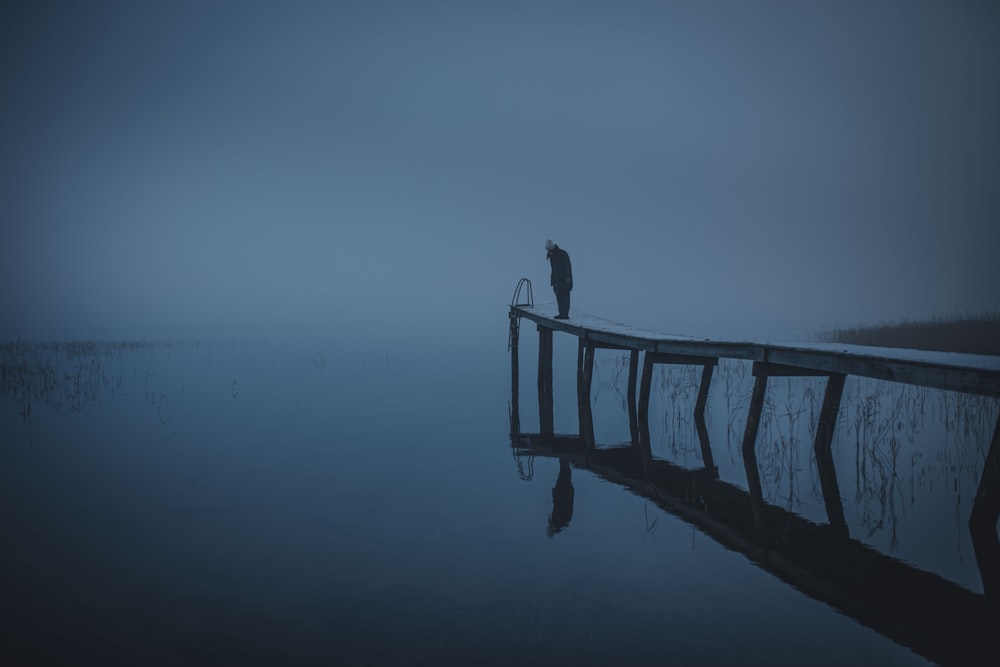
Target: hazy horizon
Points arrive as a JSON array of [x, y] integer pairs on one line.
[[767, 169]]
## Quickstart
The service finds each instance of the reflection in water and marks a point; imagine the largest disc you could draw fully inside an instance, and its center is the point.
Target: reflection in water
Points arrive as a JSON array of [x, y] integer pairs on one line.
[[898, 445], [525, 465], [345, 529], [895, 469], [822, 452], [935, 617], [897, 448], [877, 450], [562, 500]]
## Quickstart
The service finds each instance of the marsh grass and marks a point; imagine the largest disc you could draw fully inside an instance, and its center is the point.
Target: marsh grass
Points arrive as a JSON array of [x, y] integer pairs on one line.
[[617, 381], [65, 375], [678, 390], [970, 334], [897, 447]]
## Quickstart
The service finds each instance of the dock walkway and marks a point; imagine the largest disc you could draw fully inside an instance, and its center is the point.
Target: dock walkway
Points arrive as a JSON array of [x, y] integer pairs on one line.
[[893, 609], [967, 373]]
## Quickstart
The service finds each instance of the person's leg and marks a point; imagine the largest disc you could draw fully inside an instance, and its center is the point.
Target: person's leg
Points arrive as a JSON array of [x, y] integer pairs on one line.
[[562, 298]]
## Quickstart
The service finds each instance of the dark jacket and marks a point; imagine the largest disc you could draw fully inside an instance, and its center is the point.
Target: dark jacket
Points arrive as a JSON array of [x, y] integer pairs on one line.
[[562, 271]]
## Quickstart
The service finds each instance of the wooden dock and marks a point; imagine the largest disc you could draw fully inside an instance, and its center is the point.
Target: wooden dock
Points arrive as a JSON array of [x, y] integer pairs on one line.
[[893, 609], [974, 374], [969, 373]]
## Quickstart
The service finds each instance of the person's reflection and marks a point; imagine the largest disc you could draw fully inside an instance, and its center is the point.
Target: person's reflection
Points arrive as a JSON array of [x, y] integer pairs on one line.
[[562, 500]]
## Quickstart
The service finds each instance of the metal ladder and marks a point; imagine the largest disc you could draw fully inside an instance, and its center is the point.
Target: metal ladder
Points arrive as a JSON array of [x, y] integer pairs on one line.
[[515, 322]]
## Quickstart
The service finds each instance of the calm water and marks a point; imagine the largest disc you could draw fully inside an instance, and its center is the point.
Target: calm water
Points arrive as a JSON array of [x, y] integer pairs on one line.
[[331, 504]]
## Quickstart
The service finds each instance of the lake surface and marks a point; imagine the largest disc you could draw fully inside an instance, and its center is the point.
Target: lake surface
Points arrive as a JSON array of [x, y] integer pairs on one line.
[[326, 503]]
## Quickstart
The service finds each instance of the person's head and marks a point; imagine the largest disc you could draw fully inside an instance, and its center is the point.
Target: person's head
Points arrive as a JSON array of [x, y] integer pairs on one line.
[[549, 245]]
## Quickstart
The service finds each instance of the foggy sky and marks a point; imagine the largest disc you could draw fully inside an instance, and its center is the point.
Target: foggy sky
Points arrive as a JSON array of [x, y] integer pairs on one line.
[[730, 168]]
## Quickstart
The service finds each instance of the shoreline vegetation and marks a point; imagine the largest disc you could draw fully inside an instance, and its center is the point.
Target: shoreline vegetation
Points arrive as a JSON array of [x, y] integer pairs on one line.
[[969, 334]]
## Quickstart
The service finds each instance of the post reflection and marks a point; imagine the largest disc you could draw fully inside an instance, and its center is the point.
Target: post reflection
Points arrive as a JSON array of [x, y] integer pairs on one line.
[[983, 520], [935, 617], [749, 452], [824, 456]]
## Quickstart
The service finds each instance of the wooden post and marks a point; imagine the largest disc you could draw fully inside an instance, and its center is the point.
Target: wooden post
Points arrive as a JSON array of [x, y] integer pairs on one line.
[[699, 419], [545, 420], [633, 419], [644, 387], [983, 521], [824, 456], [706, 381], [750, 455], [579, 381], [515, 381], [584, 407]]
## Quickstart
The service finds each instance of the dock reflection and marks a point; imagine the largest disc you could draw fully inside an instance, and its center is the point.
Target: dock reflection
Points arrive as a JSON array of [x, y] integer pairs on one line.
[[936, 618]]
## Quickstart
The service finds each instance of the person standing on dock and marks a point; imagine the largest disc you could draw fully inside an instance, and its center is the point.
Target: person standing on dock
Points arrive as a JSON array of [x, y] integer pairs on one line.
[[562, 277]]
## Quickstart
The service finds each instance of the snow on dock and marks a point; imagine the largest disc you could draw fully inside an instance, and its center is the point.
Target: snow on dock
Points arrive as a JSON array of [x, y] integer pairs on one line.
[[969, 373]]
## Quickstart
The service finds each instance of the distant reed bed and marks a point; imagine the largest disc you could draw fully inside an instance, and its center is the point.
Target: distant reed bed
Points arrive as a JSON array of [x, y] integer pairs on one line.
[[970, 334]]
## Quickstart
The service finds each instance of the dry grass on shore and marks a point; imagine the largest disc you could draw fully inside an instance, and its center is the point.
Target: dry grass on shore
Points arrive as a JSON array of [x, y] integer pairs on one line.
[[971, 334]]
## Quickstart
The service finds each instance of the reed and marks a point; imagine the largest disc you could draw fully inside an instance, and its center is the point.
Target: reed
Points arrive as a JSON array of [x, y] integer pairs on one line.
[[64, 374], [971, 334], [899, 445]]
